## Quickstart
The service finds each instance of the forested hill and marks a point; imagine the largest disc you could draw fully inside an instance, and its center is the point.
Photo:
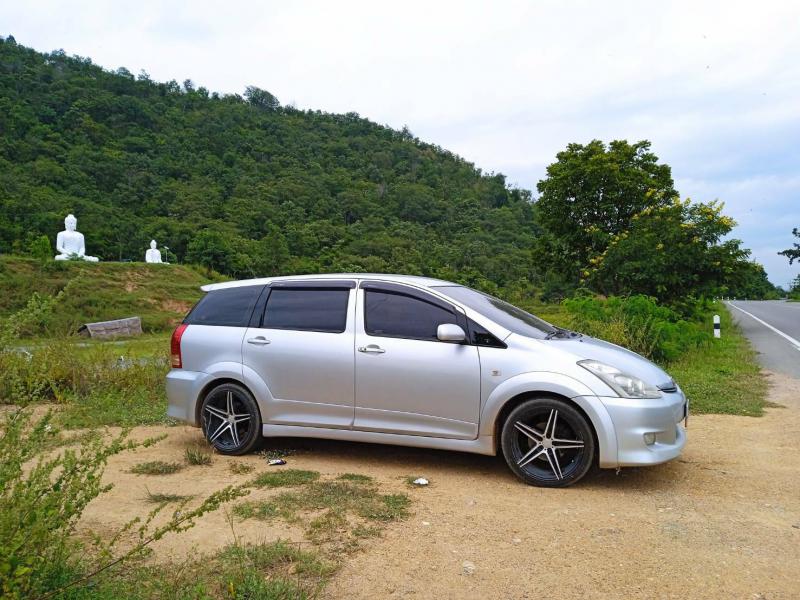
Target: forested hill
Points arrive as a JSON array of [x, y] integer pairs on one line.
[[239, 182]]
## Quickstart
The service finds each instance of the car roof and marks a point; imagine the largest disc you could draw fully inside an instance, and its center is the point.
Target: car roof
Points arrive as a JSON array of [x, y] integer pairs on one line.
[[410, 279]]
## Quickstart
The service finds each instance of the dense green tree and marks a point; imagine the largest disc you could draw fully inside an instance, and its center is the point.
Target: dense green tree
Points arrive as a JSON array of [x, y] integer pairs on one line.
[[750, 280], [793, 253], [670, 252], [261, 98], [794, 288], [591, 194], [211, 249]]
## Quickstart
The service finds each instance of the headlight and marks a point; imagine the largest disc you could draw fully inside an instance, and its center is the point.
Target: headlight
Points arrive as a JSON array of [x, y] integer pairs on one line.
[[627, 386]]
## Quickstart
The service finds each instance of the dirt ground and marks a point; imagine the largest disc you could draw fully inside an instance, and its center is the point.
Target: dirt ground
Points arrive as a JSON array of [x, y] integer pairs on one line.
[[721, 522]]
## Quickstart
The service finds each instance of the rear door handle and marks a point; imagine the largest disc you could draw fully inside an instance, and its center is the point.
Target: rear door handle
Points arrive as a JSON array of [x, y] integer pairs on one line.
[[258, 341], [371, 349]]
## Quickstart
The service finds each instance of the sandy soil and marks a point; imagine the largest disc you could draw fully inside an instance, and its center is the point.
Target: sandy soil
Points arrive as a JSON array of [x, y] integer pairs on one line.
[[721, 522]]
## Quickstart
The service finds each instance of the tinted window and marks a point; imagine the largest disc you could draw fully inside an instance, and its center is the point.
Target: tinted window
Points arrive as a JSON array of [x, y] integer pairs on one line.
[[229, 307], [505, 314], [396, 315], [313, 309]]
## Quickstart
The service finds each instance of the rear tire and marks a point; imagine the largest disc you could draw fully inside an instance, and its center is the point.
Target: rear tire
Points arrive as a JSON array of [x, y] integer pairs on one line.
[[548, 443], [231, 420]]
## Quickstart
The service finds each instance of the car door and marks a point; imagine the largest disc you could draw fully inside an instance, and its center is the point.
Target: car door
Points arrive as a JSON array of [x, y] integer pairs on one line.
[[407, 381], [302, 347]]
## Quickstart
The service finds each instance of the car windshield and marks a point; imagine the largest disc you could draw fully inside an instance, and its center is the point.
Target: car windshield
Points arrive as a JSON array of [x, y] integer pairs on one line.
[[509, 316]]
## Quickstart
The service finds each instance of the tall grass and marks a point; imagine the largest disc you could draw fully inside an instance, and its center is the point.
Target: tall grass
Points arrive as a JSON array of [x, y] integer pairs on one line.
[[95, 382], [639, 324]]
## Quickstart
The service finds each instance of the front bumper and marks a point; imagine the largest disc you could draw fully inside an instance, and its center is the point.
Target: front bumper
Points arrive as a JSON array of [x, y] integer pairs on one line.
[[638, 422]]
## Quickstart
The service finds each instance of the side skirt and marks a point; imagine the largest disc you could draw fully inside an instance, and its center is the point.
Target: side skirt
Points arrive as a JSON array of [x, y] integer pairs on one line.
[[481, 445]]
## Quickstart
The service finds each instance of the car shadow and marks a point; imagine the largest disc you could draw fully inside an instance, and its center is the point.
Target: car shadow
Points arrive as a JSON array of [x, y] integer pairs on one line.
[[424, 461]]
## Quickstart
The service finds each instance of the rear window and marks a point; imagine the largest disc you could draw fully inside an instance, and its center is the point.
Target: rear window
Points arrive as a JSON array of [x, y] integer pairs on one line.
[[312, 309], [228, 307]]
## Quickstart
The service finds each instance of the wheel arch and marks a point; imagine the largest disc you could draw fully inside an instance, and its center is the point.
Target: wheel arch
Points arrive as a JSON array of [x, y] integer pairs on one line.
[[515, 401], [210, 385], [512, 392]]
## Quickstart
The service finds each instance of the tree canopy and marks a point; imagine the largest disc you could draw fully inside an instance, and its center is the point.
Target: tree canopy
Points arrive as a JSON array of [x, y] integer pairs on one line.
[[613, 221], [593, 191], [793, 253]]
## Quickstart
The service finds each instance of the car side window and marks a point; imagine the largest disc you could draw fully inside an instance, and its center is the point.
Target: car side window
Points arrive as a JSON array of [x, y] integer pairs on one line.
[[307, 309], [228, 307], [392, 314]]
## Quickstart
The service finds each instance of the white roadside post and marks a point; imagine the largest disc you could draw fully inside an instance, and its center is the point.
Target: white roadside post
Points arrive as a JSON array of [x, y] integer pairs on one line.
[[716, 326]]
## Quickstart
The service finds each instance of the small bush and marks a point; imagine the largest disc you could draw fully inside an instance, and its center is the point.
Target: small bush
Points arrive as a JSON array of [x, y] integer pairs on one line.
[[286, 477], [198, 456], [40, 249], [156, 467], [240, 468]]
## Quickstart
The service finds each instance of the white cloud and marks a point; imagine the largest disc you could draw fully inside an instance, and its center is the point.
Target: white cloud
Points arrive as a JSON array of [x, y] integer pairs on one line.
[[714, 85]]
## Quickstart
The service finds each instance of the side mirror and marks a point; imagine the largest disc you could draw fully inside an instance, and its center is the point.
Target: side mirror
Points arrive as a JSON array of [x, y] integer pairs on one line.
[[448, 332]]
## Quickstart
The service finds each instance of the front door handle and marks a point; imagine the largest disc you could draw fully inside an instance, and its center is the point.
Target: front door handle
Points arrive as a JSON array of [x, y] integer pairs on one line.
[[259, 340], [371, 349]]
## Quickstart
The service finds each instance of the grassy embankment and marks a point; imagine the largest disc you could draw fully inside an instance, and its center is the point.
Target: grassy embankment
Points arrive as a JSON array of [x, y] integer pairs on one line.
[[720, 376], [159, 294]]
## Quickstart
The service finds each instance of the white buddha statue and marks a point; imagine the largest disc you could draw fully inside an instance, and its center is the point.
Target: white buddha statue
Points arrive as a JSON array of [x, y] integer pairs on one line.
[[70, 244], [153, 255]]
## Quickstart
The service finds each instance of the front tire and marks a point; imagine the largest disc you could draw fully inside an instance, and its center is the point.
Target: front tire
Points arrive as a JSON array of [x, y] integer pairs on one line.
[[231, 420], [548, 443]]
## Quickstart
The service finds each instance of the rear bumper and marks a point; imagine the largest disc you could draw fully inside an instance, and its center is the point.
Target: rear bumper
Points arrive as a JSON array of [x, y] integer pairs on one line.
[[637, 422], [183, 388]]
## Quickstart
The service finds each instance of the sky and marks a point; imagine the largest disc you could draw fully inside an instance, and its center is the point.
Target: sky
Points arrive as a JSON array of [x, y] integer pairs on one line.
[[715, 86]]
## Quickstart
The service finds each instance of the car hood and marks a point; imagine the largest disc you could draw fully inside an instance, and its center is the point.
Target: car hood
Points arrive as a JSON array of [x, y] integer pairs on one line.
[[629, 362]]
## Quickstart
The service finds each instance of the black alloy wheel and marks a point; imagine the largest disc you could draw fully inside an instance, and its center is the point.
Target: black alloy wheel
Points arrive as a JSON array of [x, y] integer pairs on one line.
[[231, 420], [548, 443]]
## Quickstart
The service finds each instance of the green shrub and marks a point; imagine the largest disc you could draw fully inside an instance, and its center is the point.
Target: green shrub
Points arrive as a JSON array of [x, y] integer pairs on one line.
[[637, 323], [42, 497], [40, 249]]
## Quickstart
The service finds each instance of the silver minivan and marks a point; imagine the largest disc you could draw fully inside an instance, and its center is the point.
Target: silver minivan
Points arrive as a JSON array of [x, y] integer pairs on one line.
[[415, 361]]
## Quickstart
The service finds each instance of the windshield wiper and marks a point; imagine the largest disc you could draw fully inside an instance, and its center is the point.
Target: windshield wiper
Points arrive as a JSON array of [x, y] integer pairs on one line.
[[562, 332]]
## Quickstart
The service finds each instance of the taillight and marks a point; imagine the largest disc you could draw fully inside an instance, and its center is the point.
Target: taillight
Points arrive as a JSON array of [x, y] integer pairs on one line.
[[175, 346]]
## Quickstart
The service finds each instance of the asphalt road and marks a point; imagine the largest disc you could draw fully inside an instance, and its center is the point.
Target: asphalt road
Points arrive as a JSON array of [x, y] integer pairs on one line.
[[773, 327]]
